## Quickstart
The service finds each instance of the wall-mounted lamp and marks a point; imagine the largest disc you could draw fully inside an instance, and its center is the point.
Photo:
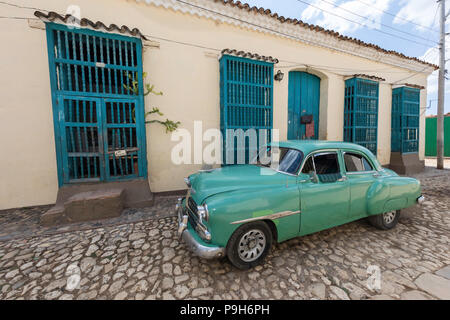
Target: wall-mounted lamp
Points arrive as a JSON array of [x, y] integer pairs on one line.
[[279, 76]]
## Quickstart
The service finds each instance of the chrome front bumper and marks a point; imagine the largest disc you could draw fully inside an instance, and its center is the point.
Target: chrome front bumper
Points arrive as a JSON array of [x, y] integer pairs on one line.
[[196, 247], [420, 199]]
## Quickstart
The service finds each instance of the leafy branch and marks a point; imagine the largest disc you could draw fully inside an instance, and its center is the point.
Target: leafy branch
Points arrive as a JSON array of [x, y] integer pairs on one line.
[[169, 124], [149, 89]]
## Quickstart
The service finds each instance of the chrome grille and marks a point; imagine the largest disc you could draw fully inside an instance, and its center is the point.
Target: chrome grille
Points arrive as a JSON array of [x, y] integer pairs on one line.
[[192, 206], [195, 220], [192, 212]]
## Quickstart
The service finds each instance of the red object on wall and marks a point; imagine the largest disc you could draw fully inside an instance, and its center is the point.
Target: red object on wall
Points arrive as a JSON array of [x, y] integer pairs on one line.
[[309, 130]]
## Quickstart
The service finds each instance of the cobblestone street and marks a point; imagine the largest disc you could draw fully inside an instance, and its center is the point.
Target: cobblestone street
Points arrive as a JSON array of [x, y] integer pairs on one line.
[[144, 260]]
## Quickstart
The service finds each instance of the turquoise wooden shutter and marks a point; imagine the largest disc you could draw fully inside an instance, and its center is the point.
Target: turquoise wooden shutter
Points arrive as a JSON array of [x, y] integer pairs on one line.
[[246, 102], [396, 117], [405, 120], [361, 112]]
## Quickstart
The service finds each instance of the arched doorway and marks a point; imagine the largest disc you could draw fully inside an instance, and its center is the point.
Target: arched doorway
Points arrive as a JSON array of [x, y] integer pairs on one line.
[[303, 106]]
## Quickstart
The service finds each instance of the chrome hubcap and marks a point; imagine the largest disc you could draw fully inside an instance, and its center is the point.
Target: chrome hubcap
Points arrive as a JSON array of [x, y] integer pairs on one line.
[[251, 245], [389, 217]]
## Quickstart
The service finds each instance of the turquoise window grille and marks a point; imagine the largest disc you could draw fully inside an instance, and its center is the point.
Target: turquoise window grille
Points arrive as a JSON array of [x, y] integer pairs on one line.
[[405, 120], [98, 122], [361, 112], [246, 102]]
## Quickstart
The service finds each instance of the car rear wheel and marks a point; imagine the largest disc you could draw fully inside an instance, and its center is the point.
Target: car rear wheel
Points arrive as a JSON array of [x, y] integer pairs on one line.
[[249, 245], [385, 221]]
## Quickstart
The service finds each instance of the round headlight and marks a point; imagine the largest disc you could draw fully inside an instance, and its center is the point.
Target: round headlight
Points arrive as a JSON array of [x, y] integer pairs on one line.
[[203, 212]]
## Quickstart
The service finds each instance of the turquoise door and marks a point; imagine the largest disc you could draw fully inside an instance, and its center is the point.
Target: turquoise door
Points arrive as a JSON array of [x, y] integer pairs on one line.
[[98, 119], [303, 105]]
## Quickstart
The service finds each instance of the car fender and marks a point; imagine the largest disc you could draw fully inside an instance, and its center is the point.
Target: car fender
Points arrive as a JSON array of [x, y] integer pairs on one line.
[[229, 210], [392, 193]]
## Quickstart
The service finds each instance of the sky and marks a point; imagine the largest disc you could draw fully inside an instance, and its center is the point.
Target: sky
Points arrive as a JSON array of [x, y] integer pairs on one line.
[[407, 26]]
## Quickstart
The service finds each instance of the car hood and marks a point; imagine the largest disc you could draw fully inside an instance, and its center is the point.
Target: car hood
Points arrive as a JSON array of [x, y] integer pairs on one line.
[[230, 178]]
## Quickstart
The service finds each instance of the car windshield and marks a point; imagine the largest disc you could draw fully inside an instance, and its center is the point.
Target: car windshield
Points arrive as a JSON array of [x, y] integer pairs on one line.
[[281, 159]]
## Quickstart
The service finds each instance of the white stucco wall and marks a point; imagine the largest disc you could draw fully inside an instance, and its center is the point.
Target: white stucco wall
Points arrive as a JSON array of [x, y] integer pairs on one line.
[[384, 123], [188, 76], [28, 164]]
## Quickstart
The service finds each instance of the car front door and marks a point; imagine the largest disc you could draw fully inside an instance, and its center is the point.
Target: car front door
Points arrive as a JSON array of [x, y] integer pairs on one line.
[[324, 192], [361, 175]]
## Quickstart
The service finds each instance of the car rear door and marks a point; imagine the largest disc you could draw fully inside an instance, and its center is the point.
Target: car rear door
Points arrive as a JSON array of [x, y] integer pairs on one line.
[[324, 202], [361, 175]]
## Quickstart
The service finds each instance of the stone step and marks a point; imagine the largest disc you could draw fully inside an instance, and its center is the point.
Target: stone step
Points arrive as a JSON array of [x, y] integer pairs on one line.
[[86, 206]]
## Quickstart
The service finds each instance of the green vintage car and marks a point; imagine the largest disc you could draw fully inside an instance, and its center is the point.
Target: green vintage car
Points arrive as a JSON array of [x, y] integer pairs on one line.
[[239, 211]]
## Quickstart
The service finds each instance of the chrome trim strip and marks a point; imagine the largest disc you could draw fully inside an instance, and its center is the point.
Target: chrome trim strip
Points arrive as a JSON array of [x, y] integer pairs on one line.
[[272, 216], [360, 172], [322, 153]]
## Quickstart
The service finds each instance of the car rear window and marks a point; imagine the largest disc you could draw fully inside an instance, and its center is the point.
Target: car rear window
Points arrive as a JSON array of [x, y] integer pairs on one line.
[[356, 162]]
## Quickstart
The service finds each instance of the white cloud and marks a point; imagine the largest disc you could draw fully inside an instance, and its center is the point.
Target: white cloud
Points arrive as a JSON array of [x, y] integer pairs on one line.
[[365, 16], [432, 56], [424, 12], [420, 12]]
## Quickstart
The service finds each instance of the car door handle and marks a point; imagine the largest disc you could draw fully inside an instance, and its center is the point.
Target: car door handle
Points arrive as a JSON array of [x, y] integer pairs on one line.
[[344, 178], [376, 175]]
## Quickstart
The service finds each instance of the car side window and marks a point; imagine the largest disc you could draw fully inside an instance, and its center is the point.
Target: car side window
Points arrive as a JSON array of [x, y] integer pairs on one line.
[[355, 162], [327, 167], [308, 166], [367, 165]]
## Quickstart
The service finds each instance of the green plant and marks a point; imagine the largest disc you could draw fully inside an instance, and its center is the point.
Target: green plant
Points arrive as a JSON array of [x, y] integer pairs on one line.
[[149, 89]]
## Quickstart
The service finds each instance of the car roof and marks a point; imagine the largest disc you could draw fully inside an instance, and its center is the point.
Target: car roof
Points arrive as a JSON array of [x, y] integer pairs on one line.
[[307, 146]]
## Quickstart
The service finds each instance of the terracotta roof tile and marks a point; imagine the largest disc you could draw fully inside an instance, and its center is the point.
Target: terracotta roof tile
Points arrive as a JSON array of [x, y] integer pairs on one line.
[[414, 86], [53, 16], [333, 33], [250, 55], [360, 75]]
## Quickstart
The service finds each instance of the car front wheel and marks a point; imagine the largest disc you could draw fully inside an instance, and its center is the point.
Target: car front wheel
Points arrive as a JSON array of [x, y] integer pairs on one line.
[[385, 221], [249, 245]]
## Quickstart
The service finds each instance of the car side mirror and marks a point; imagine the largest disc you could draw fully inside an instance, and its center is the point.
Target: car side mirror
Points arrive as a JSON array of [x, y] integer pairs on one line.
[[314, 178]]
